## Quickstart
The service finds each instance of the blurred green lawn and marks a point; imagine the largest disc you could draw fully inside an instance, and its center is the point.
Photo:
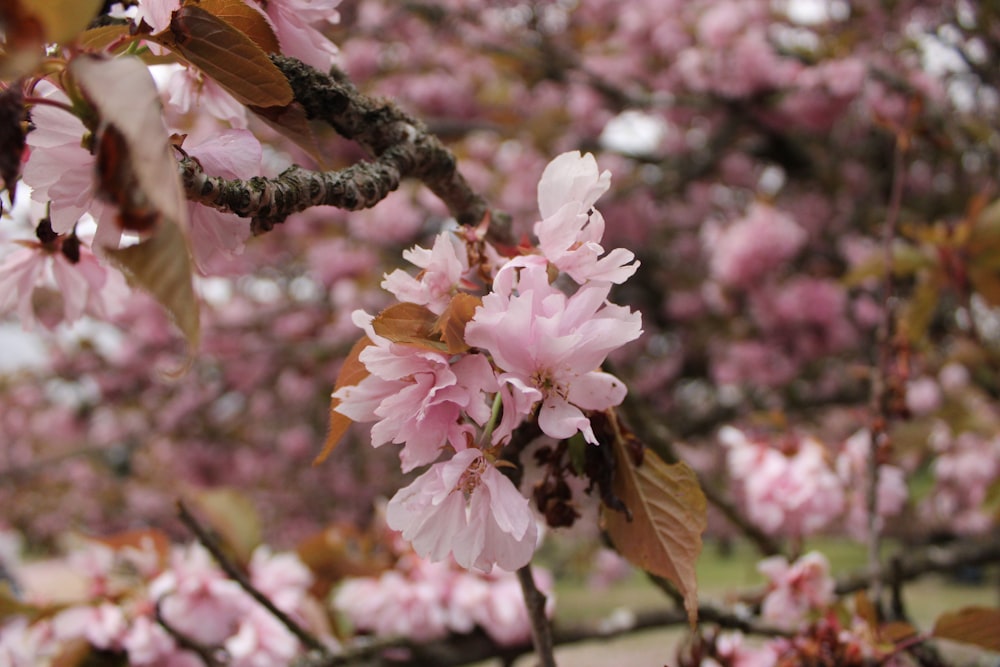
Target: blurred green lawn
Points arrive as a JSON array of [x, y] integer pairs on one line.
[[720, 577]]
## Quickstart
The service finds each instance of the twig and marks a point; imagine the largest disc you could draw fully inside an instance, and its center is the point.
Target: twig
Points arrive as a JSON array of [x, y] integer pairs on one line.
[[881, 373], [236, 575], [541, 631], [212, 656]]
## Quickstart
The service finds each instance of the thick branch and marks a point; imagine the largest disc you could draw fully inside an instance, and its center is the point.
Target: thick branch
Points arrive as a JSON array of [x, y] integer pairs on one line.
[[401, 146]]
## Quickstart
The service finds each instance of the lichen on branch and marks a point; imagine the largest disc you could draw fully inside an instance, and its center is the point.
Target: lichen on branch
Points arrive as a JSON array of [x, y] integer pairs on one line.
[[400, 145]]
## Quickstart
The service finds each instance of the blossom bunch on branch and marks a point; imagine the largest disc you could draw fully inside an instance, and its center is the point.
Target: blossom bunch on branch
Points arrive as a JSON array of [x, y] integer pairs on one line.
[[483, 341]]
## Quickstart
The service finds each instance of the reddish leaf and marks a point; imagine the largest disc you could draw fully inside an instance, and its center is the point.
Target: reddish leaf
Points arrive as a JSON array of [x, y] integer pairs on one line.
[[351, 373], [668, 517], [450, 326], [248, 20], [408, 323], [979, 626], [227, 55]]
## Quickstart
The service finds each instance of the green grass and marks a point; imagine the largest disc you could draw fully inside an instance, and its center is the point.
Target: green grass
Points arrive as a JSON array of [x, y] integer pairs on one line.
[[721, 577]]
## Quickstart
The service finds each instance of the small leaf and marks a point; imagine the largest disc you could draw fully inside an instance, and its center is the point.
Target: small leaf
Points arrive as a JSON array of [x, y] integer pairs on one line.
[[161, 265], [100, 38], [979, 626], [227, 55], [668, 517], [232, 515], [408, 323], [248, 20], [351, 373], [450, 325], [11, 606]]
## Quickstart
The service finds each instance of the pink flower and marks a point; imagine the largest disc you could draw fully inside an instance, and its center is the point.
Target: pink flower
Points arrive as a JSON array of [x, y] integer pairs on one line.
[[104, 626], [410, 601], [424, 601], [790, 494], [417, 397], [731, 647], [61, 171], [550, 347], [467, 508], [797, 589], [754, 246], [293, 23], [282, 577], [189, 91], [217, 236], [571, 229], [852, 468], [81, 286], [443, 268], [197, 599], [261, 640]]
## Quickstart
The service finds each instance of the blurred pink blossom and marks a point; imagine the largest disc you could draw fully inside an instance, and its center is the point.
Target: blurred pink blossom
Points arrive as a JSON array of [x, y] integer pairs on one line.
[[754, 246], [796, 589], [795, 493]]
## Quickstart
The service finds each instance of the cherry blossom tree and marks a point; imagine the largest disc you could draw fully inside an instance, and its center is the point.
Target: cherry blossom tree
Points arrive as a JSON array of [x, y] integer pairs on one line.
[[349, 306]]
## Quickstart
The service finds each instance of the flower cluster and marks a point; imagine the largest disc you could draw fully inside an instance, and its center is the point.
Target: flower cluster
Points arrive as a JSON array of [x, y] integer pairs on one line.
[[424, 601], [798, 487], [528, 351], [796, 590], [152, 605]]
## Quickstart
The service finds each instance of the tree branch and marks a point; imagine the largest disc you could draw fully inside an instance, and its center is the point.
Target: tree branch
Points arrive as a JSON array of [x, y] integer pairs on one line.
[[541, 631], [401, 147], [304, 636]]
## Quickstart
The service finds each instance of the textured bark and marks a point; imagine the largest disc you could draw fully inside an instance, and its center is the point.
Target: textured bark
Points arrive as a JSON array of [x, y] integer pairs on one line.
[[400, 145]]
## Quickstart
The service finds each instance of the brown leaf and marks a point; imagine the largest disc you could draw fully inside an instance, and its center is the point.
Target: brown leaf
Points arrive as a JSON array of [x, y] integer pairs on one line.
[[244, 18], [450, 325], [62, 19], [11, 606], [138, 169], [668, 517], [232, 516], [340, 551], [897, 631], [161, 265], [408, 323], [224, 53], [979, 626], [351, 373]]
